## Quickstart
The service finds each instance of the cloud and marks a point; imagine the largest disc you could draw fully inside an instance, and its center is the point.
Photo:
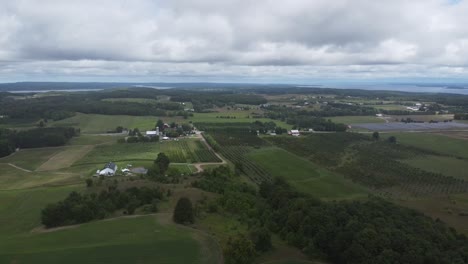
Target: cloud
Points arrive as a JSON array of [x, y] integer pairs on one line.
[[233, 38]]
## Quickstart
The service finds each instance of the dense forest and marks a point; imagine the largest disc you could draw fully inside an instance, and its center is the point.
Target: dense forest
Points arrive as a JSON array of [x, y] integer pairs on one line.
[[369, 231]]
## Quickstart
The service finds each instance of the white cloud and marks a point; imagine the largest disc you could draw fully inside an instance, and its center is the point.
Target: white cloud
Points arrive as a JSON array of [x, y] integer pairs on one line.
[[233, 38]]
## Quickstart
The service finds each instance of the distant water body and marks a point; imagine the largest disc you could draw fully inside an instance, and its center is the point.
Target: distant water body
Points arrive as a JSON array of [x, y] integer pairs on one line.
[[422, 88]]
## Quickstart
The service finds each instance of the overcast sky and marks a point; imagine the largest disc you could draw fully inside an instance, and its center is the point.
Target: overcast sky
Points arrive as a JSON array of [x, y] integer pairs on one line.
[[232, 40]]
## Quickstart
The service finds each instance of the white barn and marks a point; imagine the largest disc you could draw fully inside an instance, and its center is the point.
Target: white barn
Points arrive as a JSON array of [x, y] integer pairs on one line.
[[108, 170]]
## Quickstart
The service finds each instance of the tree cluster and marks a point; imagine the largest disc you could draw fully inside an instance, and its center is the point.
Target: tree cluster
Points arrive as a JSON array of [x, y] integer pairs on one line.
[[80, 208], [370, 231]]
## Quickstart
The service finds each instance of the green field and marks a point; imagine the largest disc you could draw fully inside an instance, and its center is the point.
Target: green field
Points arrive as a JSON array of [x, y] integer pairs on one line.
[[84, 139], [127, 240], [240, 117], [20, 209], [94, 123], [306, 176], [448, 166], [13, 178], [433, 142], [31, 159], [182, 151], [356, 119]]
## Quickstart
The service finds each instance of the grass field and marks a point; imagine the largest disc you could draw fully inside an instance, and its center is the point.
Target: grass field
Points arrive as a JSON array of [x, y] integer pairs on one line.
[[13, 178], [240, 117], [182, 151], [84, 139], [65, 158], [94, 123], [306, 176], [356, 119], [31, 159], [126, 240], [448, 166], [433, 142], [20, 209]]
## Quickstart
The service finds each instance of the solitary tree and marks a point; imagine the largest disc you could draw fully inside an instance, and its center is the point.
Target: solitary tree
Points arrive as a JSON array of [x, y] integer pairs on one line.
[[160, 124], [183, 212], [376, 135], [89, 183], [162, 162]]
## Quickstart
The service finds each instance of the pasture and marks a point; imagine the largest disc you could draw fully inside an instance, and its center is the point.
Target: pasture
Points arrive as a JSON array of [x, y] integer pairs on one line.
[[96, 124], [14, 178], [126, 240]]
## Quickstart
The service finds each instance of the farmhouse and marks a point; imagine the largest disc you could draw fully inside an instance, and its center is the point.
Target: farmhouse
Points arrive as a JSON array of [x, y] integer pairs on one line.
[[108, 170]]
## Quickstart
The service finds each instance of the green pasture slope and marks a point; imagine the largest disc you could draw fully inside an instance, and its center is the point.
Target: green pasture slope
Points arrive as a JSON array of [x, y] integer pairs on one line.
[[94, 123], [126, 240], [306, 176]]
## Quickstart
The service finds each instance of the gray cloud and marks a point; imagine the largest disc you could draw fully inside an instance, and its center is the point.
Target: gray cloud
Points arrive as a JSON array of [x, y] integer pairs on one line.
[[233, 39]]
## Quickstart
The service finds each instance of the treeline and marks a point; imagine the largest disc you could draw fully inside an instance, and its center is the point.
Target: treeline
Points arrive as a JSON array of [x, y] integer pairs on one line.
[[80, 208], [34, 138], [206, 100]]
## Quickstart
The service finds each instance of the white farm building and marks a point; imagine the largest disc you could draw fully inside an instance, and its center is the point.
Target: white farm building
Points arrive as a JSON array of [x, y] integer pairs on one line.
[[294, 132], [108, 170]]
